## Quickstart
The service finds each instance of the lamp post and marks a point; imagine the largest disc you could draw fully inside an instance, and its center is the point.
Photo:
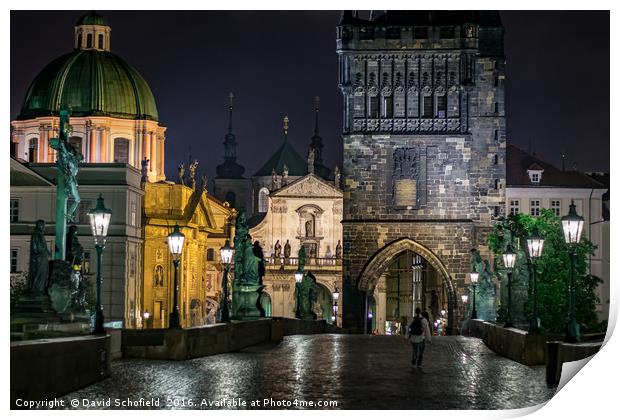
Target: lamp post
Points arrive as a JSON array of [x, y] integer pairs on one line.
[[473, 276], [335, 295], [146, 316], [99, 223], [299, 276], [464, 299], [175, 243], [510, 257], [226, 254], [535, 244], [572, 225]]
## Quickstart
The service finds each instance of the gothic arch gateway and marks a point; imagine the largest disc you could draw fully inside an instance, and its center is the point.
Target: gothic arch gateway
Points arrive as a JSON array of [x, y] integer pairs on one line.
[[384, 257]]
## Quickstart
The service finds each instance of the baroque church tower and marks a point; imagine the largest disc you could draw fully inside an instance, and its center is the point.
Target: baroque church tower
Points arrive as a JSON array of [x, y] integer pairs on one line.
[[424, 145]]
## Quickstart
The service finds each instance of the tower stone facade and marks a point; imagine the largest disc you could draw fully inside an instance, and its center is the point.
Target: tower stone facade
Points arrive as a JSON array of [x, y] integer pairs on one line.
[[424, 145]]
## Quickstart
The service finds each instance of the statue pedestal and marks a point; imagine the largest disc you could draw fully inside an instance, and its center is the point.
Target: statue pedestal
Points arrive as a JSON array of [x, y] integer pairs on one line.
[[34, 305], [244, 301]]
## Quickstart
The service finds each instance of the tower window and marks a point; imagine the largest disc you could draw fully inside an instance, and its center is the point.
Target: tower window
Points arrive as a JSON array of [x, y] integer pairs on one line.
[[496, 134], [100, 41], [441, 106], [373, 107], [89, 40], [496, 184], [420, 32], [388, 107], [79, 41], [495, 160], [121, 150], [263, 200], [427, 106], [33, 150]]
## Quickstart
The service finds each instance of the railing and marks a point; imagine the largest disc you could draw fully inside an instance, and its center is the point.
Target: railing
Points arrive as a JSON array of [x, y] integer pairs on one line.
[[310, 261]]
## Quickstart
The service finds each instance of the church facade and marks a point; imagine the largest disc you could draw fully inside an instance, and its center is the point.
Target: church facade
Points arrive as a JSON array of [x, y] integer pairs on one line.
[[424, 148]]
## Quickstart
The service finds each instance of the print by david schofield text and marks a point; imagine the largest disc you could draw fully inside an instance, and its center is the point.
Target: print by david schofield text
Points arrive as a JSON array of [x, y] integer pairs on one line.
[[198, 403]]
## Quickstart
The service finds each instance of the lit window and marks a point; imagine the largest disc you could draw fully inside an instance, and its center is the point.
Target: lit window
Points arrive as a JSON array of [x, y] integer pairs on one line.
[[556, 206], [14, 210], [515, 206], [263, 200], [13, 260], [535, 208]]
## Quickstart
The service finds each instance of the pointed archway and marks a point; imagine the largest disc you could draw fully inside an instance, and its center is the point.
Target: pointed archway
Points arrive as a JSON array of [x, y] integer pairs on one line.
[[385, 256]]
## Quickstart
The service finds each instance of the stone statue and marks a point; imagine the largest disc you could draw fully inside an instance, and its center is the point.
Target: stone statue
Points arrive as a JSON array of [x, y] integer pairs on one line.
[[337, 177], [38, 267], [311, 161], [285, 175], [287, 250], [485, 289], [301, 257], [306, 294], [74, 250], [338, 250], [248, 271], [257, 250], [182, 173], [192, 173], [203, 182], [309, 228], [145, 168], [277, 249], [274, 180]]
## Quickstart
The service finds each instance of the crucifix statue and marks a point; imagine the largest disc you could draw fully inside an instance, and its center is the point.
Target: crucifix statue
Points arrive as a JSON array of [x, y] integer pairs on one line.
[[67, 165]]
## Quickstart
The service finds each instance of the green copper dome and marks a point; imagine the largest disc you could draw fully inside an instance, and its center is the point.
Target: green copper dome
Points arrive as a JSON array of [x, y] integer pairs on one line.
[[91, 82], [92, 18]]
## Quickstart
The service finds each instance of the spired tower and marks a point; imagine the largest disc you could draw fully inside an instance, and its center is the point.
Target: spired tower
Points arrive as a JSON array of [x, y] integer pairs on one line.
[[424, 148]]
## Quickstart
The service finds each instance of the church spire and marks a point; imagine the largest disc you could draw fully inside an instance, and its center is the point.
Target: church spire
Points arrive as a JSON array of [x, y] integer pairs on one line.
[[230, 168], [316, 115], [316, 145]]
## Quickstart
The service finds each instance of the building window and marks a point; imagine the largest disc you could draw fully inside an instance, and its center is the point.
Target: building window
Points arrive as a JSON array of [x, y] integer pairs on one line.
[[388, 107], [393, 33], [79, 44], [89, 40], [373, 107], [427, 106], [446, 32], [515, 207], [33, 150], [441, 106], [496, 134], [495, 160], [420, 32], [535, 208], [210, 254], [14, 210], [496, 184], [556, 206], [86, 262], [263, 200], [13, 260], [121, 150], [495, 211], [100, 41]]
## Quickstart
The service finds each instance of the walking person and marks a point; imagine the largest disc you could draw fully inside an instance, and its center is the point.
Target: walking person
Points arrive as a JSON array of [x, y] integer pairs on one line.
[[418, 333]]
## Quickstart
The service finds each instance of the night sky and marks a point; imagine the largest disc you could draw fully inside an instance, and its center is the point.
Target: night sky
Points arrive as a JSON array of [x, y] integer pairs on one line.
[[557, 88]]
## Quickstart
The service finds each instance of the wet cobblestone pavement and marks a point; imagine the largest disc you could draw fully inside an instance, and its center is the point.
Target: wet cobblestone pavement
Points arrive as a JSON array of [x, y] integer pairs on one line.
[[356, 371]]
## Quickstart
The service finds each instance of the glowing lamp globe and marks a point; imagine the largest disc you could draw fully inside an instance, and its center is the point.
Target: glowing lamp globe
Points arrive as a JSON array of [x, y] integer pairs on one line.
[[227, 253], [572, 225], [175, 242], [535, 244], [510, 257], [100, 221]]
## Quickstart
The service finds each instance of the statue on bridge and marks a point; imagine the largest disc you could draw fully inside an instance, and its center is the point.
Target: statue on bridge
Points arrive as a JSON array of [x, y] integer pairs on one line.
[[485, 290], [248, 278]]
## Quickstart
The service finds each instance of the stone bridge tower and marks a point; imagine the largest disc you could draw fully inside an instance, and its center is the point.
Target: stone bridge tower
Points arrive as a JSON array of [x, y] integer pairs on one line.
[[424, 145]]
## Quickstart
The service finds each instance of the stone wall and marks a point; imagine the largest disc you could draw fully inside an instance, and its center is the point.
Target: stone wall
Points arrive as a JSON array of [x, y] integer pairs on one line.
[[45, 369]]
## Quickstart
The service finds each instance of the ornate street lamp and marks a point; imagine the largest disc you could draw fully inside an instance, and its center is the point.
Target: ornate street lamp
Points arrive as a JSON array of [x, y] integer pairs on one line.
[[175, 243], [510, 257], [99, 223], [226, 255], [473, 276], [335, 295], [535, 244], [299, 276], [146, 317], [572, 225]]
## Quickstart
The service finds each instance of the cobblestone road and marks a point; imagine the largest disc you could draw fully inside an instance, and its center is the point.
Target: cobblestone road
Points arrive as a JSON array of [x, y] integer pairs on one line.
[[356, 371]]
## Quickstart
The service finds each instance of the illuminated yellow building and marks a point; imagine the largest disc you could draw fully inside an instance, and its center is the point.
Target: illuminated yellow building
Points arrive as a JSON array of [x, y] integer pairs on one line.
[[206, 224]]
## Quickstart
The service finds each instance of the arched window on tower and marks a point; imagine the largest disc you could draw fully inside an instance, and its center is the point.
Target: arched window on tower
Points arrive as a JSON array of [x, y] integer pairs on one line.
[[121, 150], [79, 41], [89, 40], [231, 198], [100, 41], [33, 150], [263, 200]]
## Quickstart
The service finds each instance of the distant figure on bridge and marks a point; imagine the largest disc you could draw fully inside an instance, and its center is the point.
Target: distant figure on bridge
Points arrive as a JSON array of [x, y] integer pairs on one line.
[[418, 333]]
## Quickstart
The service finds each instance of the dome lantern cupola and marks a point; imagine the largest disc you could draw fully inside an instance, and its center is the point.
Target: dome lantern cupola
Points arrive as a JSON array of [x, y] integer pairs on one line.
[[92, 32]]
